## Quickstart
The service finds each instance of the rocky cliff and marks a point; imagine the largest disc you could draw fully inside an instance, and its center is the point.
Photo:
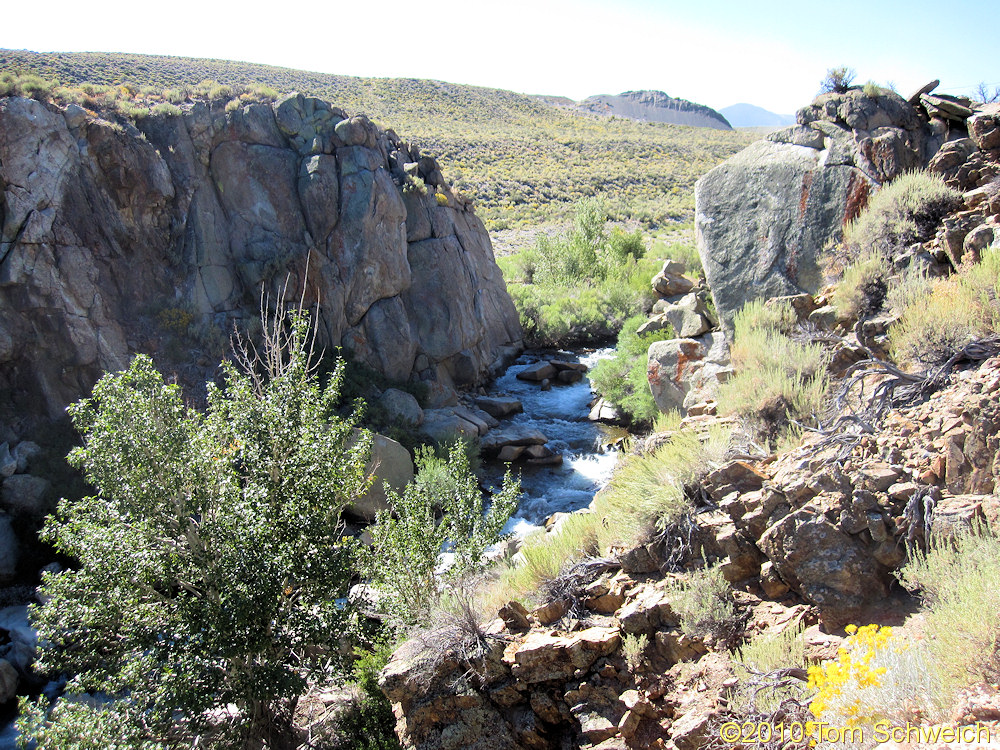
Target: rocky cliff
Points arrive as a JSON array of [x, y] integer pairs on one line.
[[121, 237], [655, 106], [765, 216]]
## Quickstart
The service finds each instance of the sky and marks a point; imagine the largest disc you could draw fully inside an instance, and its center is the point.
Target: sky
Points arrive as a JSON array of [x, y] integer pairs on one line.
[[771, 54]]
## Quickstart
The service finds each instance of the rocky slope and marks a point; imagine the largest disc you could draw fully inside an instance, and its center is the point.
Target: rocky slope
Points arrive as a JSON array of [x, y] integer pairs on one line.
[[654, 106], [120, 238], [807, 538], [765, 216]]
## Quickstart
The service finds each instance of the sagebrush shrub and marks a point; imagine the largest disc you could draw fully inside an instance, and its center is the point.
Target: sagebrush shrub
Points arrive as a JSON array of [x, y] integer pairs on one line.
[[906, 210], [940, 317], [704, 601], [958, 580], [779, 380]]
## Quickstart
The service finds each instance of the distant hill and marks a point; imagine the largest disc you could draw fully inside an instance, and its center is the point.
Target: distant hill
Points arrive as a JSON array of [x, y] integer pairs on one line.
[[524, 160], [655, 106], [558, 101], [751, 116]]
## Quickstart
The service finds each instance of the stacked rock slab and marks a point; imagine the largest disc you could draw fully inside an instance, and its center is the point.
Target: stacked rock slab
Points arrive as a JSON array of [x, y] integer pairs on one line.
[[105, 224]]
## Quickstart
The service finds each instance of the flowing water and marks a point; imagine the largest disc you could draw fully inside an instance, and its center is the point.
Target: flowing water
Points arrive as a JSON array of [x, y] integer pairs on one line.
[[560, 414]]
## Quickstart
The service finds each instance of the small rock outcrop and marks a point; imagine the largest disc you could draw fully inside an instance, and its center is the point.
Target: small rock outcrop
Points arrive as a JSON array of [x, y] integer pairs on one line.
[[764, 217], [121, 237]]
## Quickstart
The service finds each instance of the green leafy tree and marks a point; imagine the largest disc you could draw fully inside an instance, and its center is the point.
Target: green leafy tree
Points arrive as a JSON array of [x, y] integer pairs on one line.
[[211, 557], [408, 539]]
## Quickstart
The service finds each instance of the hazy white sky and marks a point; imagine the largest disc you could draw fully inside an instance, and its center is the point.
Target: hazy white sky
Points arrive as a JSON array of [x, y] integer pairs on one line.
[[772, 54]]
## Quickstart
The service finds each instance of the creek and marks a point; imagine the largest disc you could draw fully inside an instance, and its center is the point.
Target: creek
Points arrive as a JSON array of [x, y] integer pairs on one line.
[[561, 414]]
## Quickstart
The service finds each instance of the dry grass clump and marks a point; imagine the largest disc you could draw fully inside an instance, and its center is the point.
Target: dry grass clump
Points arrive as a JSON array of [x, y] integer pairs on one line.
[[770, 651], [650, 493], [545, 556], [646, 497], [779, 380]]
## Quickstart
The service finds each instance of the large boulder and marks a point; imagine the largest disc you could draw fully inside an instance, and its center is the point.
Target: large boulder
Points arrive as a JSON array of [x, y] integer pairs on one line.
[[27, 496], [392, 467], [764, 217], [829, 567]]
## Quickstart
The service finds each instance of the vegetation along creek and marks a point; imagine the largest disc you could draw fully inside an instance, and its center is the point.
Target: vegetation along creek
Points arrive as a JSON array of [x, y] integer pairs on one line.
[[350, 413]]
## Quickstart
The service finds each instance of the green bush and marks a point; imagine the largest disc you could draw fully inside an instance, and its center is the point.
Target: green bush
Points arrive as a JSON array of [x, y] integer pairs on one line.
[[862, 291], [907, 210], [622, 378], [579, 287], [685, 253], [406, 540], [838, 80], [211, 556], [704, 602], [79, 725], [368, 723]]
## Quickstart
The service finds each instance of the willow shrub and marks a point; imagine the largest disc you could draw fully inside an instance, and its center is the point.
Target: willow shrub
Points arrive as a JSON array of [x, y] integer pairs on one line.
[[407, 540], [622, 379], [581, 285]]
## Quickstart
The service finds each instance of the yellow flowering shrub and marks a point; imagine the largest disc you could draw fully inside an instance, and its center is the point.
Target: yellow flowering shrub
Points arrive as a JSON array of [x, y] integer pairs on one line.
[[841, 682], [875, 677]]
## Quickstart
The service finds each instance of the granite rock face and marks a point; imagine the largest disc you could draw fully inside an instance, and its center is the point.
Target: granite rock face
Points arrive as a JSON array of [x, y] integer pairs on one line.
[[764, 217], [118, 236]]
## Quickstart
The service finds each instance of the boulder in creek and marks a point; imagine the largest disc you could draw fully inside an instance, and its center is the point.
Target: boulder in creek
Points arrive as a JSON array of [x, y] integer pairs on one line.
[[392, 466], [499, 408], [538, 372]]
